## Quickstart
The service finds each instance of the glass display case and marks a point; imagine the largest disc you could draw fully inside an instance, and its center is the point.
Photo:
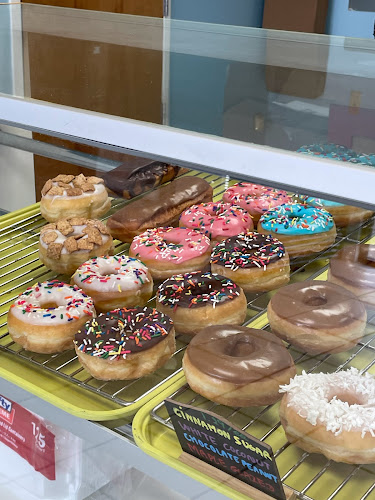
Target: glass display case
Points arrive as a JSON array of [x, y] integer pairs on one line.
[[167, 114]]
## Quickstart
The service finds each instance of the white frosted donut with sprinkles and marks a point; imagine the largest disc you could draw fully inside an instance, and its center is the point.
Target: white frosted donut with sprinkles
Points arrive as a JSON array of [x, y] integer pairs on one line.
[[114, 282], [170, 250], [46, 316], [332, 414]]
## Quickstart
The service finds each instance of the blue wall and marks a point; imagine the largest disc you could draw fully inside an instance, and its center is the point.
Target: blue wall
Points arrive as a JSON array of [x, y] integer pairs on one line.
[[5, 51], [344, 22], [238, 12]]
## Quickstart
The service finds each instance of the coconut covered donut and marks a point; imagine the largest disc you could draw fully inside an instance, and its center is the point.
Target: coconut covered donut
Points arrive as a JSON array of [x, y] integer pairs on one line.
[[114, 282], [125, 344], [302, 229], [217, 220], [196, 300], [46, 316], [332, 414], [171, 250], [65, 245], [256, 262], [74, 196], [254, 198]]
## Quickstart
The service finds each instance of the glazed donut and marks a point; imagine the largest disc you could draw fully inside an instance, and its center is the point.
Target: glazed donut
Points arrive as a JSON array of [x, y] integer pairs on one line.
[[65, 245], [332, 414], [256, 262], [46, 316], [317, 316], [254, 198], [343, 215], [217, 220], [126, 343], [114, 282], [237, 366], [353, 267], [74, 196], [170, 250], [196, 300], [303, 230]]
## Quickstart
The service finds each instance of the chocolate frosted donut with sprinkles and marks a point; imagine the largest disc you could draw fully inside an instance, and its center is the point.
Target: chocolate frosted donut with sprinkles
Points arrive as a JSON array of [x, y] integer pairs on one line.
[[217, 220], [46, 316], [257, 262], [125, 344], [196, 300], [115, 282], [170, 250], [302, 229]]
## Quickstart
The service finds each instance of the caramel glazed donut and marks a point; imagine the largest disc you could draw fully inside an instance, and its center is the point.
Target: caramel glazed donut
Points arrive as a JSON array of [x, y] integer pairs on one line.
[[196, 300], [317, 316], [74, 196], [126, 343], [332, 414], [64, 246], [237, 366], [303, 230], [114, 282], [256, 262], [353, 267], [46, 316]]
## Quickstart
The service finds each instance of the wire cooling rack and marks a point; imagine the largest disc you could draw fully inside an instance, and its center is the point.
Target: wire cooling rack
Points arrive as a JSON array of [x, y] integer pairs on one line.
[[20, 268]]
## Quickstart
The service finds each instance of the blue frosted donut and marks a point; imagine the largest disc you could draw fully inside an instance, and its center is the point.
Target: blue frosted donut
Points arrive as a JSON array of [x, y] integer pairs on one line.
[[337, 152], [319, 202], [296, 219]]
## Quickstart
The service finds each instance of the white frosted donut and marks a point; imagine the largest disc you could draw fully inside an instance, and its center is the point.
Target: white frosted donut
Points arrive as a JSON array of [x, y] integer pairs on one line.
[[332, 414], [115, 282], [74, 196], [46, 316]]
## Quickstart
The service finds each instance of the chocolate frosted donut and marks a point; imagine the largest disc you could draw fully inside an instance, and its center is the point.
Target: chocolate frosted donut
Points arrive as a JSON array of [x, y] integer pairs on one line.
[[257, 262], [317, 316], [125, 343], [237, 366], [195, 300], [353, 267]]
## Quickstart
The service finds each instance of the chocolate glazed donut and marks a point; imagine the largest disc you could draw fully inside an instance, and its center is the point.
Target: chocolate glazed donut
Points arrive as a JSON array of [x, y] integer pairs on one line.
[[353, 267], [237, 366], [317, 316], [195, 300]]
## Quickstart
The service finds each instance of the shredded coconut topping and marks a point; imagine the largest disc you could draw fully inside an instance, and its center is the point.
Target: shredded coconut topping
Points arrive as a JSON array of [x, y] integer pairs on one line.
[[316, 397]]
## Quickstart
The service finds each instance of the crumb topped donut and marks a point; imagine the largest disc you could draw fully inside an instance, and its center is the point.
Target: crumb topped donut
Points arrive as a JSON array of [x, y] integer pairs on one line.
[[317, 316], [217, 220], [302, 229], [74, 196], [237, 366], [46, 316], [65, 245], [114, 282], [257, 262], [254, 198], [195, 300], [125, 344], [332, 414], [170, 250]]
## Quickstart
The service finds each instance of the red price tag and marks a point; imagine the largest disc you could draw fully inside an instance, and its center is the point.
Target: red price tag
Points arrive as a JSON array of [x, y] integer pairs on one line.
[[27, 435]]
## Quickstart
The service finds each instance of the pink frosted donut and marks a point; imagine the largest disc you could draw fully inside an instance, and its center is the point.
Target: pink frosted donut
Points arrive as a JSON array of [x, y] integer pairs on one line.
[[217, 220], [254, 198], [170, 250]]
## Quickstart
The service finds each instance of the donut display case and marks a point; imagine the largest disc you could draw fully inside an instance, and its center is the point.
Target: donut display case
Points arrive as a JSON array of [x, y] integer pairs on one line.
[[166, 236]]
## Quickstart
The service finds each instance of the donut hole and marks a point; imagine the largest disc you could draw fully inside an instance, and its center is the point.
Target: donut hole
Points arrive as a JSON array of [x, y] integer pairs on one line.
[[49, 305], [348, 397], [315, 301], [108, 271], [239, 347]]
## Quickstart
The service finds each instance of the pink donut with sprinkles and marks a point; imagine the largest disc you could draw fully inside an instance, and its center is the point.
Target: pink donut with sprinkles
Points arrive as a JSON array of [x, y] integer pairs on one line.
[[170, 250], [217, 220], [254, 198], [46, 316]]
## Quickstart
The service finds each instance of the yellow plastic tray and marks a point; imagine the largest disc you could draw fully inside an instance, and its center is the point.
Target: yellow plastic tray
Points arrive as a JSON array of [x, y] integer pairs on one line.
[[161, 442]]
